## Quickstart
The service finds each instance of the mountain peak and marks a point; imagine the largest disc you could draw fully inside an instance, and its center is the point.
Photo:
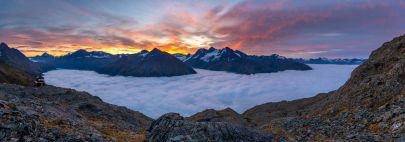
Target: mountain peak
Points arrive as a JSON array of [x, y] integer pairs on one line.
[[211, 49], [3, 45], [45, 54], [81, 51], [201, 50], [143, 53], [227, 48], [155, 50]]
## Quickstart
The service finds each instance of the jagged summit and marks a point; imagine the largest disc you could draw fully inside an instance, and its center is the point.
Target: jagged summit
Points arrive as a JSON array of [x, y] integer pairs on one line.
[[46, 54], [155, 50], [3, 45], [227, 59], [143, 53], [210, 49], [81, 53]]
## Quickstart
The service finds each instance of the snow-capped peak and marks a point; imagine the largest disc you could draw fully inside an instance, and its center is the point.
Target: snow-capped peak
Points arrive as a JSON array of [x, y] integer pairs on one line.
[[143, 53], [211, 55]]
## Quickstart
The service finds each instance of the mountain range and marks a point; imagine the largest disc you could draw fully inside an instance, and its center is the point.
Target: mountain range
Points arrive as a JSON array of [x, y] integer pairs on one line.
[[145, 64], [236, 61], [338, 61], [230, 60], [353, 61], [159, 63], [80, 59], [368, 107]]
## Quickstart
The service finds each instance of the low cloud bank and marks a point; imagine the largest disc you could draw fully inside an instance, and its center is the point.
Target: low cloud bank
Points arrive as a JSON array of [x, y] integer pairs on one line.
[[189, 94]]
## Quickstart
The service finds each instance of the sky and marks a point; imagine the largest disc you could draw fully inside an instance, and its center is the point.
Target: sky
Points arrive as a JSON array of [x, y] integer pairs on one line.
[[304, 28], [189, 94]]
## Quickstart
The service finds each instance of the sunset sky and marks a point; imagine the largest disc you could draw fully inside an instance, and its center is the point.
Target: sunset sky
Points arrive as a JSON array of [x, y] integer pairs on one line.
[[292, 28]]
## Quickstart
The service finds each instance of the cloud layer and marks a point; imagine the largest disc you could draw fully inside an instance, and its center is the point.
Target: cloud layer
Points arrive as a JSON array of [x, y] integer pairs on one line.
[[189, 94]]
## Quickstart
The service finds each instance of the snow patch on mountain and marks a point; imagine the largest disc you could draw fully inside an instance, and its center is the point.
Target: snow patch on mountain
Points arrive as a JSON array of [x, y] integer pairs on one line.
[[211, 56], [144, 54]]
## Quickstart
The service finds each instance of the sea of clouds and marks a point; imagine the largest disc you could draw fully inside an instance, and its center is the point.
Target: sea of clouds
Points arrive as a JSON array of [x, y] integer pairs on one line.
[[189, 94]]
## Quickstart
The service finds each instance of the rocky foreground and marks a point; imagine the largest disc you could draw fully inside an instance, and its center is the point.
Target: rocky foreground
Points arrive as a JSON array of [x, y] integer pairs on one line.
[[56, 114], [370, 106]]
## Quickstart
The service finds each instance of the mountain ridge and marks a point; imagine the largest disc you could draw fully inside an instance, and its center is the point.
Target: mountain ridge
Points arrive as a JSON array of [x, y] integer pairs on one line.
[[148, 64], [122, 64], [18, 60], [226, 59]]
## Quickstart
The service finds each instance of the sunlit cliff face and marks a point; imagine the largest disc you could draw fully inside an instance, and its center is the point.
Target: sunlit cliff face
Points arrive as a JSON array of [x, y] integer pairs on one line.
[[307, 28]]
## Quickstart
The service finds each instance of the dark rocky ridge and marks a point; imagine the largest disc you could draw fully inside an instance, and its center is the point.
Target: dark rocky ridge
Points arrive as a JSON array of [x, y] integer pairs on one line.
[[15, 58]]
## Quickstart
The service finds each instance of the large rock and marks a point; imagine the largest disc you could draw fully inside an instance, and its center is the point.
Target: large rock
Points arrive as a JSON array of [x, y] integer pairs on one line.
[[225, 115], [173, 127], [56, 114]]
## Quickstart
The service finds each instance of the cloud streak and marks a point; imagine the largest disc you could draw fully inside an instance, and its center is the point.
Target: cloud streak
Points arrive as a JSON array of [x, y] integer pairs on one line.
[[307, 28], [189, 94], [292, 28]]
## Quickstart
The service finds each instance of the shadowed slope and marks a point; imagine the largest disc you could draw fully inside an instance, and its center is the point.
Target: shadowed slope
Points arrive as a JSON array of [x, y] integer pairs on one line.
[[369, 106]]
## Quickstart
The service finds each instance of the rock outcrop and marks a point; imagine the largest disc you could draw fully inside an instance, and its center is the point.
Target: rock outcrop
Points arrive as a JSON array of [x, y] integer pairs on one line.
[[55, 114], [173, 127], [225, 115]]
